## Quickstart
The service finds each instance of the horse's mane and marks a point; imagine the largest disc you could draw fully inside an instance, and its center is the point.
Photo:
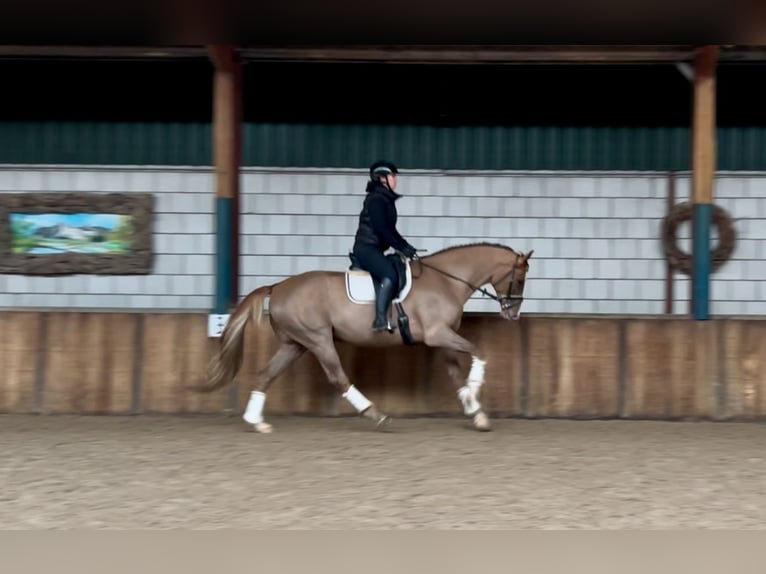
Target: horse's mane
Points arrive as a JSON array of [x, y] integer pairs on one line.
[[477, 244]]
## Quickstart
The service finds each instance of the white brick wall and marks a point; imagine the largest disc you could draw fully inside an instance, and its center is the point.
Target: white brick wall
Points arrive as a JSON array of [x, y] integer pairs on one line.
[[595, 236], [183, 242]]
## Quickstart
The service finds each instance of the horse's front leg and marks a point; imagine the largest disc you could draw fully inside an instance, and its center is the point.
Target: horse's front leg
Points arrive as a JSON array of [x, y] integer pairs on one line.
[[467, 389]]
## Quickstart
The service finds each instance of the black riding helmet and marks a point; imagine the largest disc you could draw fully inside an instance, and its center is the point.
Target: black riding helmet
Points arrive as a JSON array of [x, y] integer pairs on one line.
[[382, 167]]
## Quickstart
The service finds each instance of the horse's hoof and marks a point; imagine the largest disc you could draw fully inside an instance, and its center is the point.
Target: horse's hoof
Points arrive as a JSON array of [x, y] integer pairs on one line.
[[383, 423], [263, 428], [481, 422]]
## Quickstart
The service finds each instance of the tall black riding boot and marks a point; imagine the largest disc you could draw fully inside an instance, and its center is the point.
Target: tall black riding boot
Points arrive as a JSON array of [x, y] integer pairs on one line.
[[385, 295]]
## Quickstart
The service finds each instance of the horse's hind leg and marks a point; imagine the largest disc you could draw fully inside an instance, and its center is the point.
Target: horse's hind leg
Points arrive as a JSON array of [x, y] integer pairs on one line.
[[287, 353], [328, 358]]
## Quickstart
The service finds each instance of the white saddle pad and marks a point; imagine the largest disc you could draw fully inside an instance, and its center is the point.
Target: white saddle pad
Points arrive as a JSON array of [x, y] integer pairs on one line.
[[360, 288]]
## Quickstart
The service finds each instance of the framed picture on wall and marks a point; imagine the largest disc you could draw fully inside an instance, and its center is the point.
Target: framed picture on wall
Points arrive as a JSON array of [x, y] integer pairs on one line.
[[76, 233]]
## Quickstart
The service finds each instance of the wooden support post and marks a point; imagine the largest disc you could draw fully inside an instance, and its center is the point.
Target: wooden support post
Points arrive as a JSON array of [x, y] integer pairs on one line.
[[227, 136], [236, 207], [704, 167]]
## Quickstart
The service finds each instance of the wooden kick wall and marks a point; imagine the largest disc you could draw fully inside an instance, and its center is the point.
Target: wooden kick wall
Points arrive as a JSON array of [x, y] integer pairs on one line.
[[573, 367]]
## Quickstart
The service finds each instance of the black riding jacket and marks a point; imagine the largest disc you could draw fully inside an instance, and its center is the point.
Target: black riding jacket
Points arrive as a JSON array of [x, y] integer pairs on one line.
[[377, 220]]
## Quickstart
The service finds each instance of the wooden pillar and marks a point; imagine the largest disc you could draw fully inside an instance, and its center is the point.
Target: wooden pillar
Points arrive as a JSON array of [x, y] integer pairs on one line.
[[703, 176], [227, 136], [236, 209]]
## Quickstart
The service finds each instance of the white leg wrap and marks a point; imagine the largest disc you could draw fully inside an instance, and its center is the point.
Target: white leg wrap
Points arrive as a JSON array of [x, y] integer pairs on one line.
[[476, 374], [474, 387], [357, 399], [254, 411], [468, 398]]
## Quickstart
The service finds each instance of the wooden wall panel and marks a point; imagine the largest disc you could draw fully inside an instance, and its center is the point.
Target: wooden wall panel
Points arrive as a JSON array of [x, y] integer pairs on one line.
[[671, 368], [662, 368], [175, 351], [389, 377], [438, 393], [309, 389], [500, 341], [20, 343], [743, 345], [89, 362], [573, 367]]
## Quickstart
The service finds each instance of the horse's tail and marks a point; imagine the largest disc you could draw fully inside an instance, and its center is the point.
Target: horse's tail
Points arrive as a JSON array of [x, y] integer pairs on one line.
[[225, 364]]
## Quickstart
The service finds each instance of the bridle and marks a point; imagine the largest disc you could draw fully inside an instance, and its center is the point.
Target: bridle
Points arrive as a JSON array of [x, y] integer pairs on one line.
[[505, 300]]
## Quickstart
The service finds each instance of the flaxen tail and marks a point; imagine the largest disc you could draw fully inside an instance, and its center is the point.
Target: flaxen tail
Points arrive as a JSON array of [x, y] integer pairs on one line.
[[225, 365]]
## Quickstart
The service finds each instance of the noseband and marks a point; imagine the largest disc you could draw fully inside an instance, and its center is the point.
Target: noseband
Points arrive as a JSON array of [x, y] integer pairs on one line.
[[507, 300]]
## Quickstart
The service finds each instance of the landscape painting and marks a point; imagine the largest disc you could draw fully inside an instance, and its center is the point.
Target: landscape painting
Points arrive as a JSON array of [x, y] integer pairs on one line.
[[71, 233], [47, 233]]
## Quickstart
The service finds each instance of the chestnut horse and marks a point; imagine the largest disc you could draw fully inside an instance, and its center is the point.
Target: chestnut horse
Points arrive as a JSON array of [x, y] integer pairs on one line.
[[311, 310]]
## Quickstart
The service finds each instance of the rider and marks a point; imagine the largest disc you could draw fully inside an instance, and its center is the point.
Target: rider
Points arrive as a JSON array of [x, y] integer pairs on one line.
[[376, 233]]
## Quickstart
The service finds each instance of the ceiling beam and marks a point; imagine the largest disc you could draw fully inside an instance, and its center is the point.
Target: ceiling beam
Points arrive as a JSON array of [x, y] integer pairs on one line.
[[224, 57], [497, 55], [104, 52], [454, 54], [473, 54]]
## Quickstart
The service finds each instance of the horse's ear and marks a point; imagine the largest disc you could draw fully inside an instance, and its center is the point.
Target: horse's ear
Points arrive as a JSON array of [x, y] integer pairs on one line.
[[524, 258]]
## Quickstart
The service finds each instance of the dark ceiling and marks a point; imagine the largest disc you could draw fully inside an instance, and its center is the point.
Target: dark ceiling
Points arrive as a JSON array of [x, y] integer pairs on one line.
[[312, 22], [308, 92], [69, 49]]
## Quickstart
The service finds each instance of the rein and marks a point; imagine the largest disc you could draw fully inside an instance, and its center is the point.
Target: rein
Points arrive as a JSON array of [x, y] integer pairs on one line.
[[503, 299]]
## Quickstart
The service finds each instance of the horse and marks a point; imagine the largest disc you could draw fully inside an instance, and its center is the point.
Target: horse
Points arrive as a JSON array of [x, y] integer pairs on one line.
[[312, 310]]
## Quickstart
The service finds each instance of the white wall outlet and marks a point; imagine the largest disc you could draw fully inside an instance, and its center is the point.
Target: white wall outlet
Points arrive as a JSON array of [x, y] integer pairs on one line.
[[216, 324]]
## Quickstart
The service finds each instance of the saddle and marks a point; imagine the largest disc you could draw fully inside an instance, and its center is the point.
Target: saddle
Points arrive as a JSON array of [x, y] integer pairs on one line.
[[362, 289]]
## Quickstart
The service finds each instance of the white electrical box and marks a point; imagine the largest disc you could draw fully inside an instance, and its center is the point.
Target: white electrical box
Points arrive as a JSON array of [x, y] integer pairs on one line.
[[216, 324]]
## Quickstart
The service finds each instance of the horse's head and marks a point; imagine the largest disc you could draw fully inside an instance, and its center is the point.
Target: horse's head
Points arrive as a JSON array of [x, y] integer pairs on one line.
[[509, 285]]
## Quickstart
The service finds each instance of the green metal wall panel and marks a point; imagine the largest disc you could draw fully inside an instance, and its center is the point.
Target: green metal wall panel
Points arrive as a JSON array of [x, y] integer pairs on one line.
[[472, 147], [490, 148], [425, 147], [104, 143]]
